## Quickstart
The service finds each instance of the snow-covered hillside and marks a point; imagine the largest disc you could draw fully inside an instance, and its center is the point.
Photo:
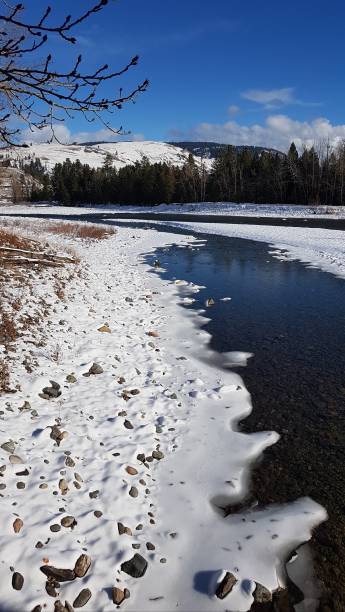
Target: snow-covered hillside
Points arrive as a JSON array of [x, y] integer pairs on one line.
[[124, 153]]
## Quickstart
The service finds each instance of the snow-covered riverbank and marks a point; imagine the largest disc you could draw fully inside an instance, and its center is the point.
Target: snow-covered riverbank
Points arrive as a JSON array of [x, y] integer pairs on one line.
[[146, 454], [285, 211]]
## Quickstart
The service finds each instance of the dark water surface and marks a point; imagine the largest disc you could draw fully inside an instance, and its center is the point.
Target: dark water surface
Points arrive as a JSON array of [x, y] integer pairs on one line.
[[293, 319]]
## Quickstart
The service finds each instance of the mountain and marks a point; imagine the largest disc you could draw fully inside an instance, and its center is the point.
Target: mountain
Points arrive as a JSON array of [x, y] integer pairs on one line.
[[212, 150], [94, 154]]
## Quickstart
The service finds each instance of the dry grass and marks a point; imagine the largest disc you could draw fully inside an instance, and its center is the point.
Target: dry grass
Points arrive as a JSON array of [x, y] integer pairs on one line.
[[24, 264], [8, 331], [4, 377], [78, 230], [11, 240]]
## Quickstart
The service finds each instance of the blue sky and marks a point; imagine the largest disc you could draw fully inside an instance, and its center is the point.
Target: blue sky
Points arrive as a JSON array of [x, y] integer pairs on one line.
[[239, 71]]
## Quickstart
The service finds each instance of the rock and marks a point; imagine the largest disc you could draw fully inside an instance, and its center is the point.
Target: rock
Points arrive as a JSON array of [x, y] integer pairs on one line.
[[95, 369], [122, 529], [134, 391], [135, 567], [93, 494], [15, 459], [82, 598], [8, 446], [71, 378], [61, 575], [25, 406], [17, 581], [118, 596], [131, 470], [158, 455], [68, 521], [63, 486], [69, 462], [51, 392], [82, 565], [20, 485], [51, 586], [153, 334], [17, 525], [55, 528], [209, 302], [150, 546], [105, 329], [128, 424], [59, 607], [98, 513], [141, 457], [23, 473], [261, 594], [127, 593], [37, 608], [226, 585], [78, 477], [56, 434], [133, 492]]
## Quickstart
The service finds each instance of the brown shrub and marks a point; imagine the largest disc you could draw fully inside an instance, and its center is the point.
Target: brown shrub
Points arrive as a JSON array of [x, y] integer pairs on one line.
[[8, 332], [77, 230], [9, 239], [4, 377]]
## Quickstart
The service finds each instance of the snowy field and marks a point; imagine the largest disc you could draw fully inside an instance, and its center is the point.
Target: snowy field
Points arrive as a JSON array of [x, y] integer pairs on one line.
[[203, 208], [147, 451]]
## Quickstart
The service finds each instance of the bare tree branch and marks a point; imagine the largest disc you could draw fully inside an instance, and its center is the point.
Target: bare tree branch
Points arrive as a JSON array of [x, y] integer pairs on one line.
[[39, 94]]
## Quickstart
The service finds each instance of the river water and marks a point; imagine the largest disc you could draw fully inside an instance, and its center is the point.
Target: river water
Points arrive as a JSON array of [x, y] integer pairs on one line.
[[293, 319]]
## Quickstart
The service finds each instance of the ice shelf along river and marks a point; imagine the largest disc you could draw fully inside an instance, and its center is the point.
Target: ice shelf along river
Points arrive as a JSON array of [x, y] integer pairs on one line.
[[292, 318]]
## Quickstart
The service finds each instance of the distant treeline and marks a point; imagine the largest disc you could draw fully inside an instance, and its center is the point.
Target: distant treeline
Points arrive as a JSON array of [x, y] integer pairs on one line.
[[317, 176]]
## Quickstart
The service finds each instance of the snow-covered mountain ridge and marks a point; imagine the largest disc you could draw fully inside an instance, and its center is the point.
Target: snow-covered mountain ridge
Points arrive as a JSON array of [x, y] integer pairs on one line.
[[123, 153]]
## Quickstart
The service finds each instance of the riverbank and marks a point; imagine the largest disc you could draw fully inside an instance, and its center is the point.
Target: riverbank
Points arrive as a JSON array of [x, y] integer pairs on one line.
[[132, 448]]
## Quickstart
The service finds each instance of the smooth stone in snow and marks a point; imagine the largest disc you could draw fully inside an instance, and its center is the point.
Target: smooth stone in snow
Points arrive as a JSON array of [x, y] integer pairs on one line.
[[131, 470], [95, 369], [17, 581], [118, 596], [68, 521], [105, 329], [135, 567], [133, 492], [17, 525], [60, 574], [15, 460], [262, 594], [226, 585], [82, 565], [8, 446], [82, 598], [158, 455]]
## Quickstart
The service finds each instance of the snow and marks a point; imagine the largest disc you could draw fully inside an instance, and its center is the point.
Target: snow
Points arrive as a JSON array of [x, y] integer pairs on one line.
[[235, 209], [203, 208], [124, 153], [188, 407]]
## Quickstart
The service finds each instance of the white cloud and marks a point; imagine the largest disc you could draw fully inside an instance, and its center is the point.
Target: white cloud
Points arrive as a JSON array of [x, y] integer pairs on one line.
[[65, 136], [278, 131], [233, 109], [270, 97]]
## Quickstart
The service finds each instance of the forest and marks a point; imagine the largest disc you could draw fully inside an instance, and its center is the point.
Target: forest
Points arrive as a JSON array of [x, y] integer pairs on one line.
[[315, 176]]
